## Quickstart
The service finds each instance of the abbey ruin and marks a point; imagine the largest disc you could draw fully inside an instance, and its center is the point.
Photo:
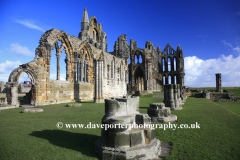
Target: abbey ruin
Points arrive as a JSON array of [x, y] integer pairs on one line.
[[92, 73]]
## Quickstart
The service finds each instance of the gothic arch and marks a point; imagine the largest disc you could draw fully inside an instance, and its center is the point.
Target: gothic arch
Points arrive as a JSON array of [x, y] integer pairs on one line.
[[95, 29], [86, 50], [139, 78], [15, 74]]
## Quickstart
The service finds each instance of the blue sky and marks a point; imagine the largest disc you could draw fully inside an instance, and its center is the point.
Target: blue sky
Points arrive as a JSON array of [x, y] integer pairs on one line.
[[207, 31]]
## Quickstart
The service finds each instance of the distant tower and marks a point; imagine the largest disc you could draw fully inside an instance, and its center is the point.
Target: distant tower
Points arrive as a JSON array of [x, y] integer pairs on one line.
[[84, 34], [218, 82]]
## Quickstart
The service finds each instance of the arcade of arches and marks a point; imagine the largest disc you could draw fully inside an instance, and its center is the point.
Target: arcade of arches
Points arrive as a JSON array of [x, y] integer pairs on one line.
[[91, 71]]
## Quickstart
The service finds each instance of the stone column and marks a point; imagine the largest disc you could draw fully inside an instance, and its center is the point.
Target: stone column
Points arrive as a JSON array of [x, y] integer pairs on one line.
[[82, 73], [166, 64], [166, 80], [172, 64], [58, 55], [169, 96], [98, 81], [218, 82], [85, 71], [78, 71], [12, 94], [177, 98], [172, 79]]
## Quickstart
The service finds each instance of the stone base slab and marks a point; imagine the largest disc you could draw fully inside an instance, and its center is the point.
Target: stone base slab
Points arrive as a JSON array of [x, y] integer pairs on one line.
[[180, 108], [32, 110], [171, 118], [150, 151]]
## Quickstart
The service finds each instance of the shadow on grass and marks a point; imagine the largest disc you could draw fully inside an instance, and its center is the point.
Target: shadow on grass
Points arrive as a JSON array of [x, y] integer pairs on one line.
[[80, 142]]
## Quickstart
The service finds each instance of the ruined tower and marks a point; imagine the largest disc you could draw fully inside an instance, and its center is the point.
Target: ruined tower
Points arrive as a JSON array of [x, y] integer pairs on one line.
[[218, 82]]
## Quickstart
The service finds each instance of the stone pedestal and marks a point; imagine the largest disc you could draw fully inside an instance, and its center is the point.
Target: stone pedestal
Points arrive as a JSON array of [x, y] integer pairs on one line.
[[172, 97], [12, 94], [129, 142], [159, 113]]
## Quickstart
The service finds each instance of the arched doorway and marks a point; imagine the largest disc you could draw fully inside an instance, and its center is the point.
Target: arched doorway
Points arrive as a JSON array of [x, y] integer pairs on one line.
[[12, 85], [139, 79]]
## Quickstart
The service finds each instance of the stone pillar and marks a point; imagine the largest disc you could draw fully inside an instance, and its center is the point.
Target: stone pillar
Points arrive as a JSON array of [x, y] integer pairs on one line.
[[177, 98], [166, 64], [172, 79], [125, 142], [100, 79], [171, 96], [78, 70], [34, 91], [12, 94], [218, 82], [82, 73], [96, 80], [58, 55], [172, 65], [166, 80], [85, 71]]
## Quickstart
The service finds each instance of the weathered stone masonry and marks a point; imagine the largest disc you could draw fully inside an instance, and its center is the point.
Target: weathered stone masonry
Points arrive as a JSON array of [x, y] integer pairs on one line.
[[156, 69], [91, 72]]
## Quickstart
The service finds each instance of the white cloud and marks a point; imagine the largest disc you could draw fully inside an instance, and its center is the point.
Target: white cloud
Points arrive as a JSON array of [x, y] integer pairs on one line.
[[9, 66], [18, 49], [201, 73], [236, 49], [29, 24], [4, 77], [54, 77]]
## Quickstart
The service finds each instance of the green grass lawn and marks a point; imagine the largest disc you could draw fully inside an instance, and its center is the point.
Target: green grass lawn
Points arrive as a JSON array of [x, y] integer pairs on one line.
[[232, 106], [35, 135]]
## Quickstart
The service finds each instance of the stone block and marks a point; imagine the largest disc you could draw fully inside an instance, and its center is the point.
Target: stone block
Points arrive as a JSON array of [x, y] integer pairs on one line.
[[159, 113], [130, 142], [32, 110], [74, 105]]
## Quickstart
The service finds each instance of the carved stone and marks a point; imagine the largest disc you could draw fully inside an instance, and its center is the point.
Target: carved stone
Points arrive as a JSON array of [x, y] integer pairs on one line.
[[159, 113], [172, 96], [128, 142]]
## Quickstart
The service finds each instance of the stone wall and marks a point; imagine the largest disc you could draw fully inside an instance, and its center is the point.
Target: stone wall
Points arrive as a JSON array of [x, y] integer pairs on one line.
[[224, 97], [2, 86], [91, 72]]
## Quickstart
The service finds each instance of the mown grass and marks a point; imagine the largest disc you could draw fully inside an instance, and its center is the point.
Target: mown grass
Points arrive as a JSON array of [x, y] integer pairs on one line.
[[35, 135], [217, 138], [233, 106]]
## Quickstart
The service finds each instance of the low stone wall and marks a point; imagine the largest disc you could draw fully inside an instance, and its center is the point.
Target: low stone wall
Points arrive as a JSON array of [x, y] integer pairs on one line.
[[3, 100], [217, 96], [223, 97]]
